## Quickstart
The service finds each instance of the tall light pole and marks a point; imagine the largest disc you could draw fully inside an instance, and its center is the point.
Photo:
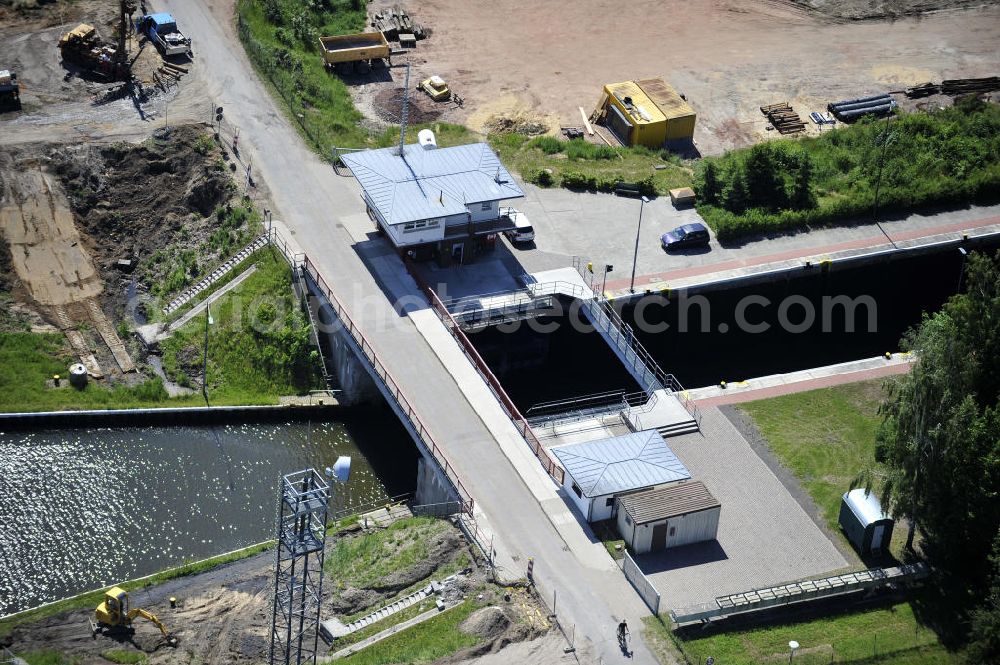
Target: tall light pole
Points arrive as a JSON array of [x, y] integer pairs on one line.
[[961, 270], [635, 255], [204, 366]]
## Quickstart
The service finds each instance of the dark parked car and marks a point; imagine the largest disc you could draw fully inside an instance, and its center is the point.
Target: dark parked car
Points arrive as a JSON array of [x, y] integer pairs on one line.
[[689, 235]]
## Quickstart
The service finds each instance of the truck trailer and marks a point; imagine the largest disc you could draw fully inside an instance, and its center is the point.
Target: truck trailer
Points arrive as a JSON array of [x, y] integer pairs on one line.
[[359, 47], [161, 29], [10, 91]]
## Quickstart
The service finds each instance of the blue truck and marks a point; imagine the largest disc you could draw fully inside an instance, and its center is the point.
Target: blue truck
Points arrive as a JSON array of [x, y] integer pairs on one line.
[[161, 29]]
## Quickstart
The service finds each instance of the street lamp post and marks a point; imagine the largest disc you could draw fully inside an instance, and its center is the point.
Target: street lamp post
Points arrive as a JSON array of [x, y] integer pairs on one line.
[[204, 366], [793, 646], [635, 255], [604, 284], [961, 269]]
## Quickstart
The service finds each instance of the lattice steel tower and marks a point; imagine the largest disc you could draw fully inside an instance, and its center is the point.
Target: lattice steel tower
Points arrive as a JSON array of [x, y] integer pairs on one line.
[[298, 575]]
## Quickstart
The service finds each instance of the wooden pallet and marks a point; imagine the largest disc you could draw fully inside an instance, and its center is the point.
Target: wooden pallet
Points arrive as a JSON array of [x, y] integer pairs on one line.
[[783, 118]]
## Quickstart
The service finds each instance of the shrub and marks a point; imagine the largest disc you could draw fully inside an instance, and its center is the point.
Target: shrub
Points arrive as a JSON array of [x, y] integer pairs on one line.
[[550, 145], [917, 159]]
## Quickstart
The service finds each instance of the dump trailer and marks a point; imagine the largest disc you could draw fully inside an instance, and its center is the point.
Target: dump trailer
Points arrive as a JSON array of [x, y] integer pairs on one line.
[[161, 29], [360, 47], [82, 46], [10, 91]]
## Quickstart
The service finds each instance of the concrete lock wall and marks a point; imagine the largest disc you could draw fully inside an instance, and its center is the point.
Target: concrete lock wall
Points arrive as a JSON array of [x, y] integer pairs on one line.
[[353, 379], [432, 488]]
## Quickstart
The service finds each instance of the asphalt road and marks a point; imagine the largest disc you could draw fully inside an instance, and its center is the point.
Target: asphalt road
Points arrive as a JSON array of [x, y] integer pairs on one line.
[[311, 200]]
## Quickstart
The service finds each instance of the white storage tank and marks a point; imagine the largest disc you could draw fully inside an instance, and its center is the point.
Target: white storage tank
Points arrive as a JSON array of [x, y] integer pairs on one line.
[[78, 375], [426, 139]]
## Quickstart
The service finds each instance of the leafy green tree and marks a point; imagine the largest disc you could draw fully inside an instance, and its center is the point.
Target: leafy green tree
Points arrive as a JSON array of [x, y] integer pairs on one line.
[[802, 196], [736, 193], [984, 645], [938, 447], [708, 186], [764, 167]]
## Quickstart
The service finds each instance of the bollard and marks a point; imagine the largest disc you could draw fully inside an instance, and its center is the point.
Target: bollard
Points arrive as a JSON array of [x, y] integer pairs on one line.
[[55, 380], [173, 603]]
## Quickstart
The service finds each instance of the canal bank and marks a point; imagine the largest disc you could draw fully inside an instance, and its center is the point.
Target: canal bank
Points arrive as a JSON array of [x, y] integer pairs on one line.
[[732, 329], [97, 505]]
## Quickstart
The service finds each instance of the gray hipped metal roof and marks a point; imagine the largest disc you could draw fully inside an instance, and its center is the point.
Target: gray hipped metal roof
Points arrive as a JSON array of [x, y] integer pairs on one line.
[[666, 502], [430, 183], [621, 464]]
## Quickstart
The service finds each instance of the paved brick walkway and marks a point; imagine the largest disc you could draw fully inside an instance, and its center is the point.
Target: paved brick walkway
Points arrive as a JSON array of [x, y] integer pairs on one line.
[[870, 242], [765, 537], [804, 385]]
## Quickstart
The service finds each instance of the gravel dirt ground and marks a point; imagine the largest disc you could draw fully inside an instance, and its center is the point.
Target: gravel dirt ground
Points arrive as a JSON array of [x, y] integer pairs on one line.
[[223, 617], [61, 103], [727, 56]]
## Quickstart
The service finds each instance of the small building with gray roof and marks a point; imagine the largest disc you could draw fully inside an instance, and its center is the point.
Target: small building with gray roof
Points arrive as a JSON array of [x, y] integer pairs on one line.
[[431, 202], [598, 472], [666, 517]]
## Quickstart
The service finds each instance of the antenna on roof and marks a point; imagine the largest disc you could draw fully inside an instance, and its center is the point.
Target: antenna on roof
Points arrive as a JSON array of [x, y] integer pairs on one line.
[[406, 112]]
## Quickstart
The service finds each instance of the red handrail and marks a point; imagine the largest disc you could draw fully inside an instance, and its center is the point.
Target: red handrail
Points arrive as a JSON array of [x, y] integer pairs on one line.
[[468, 503], [550, 465]]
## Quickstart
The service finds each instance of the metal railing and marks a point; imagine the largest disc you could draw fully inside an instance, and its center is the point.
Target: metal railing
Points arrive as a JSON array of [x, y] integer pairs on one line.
[[301, 262], [523, 427], [491, 308], [390, 384]]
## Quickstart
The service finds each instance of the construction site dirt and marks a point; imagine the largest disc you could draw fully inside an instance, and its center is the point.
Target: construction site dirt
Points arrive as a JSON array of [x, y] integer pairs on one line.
[[223, 615], [728, 57], [71, 213]]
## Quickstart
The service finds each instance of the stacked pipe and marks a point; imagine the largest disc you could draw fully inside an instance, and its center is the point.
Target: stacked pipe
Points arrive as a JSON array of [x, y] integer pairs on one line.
[[849, 109]]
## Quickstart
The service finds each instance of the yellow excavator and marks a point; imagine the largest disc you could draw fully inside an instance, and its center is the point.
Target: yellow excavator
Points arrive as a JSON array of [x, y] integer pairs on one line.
[[113, 617]]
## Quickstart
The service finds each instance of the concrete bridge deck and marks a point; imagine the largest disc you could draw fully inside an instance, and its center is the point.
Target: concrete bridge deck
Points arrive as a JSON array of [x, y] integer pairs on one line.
[[515, 497]]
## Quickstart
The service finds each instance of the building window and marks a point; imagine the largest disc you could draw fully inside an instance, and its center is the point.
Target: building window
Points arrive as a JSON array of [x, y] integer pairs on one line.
[[628, 520], [610, 501], [672, 530], [577, 490], [486, 206]]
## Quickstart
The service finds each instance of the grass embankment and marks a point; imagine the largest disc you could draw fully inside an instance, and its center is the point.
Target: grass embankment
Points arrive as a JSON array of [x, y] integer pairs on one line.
[[282, 39], [825, 437], [93, 599], [549, 162], [363, 561], [28, 360], [375, 560], [258, 351], [945, 157], [435, 638], [891, 636], [258, 342]]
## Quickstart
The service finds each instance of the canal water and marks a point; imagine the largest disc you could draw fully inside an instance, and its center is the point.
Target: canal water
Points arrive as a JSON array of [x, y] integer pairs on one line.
[[702, 341], [87, 508]]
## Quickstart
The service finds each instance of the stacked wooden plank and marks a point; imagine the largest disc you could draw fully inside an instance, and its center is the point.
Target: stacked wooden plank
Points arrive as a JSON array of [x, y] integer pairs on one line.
[[954, 87], [922, 90], [395, 22], [783, 118], [970, 86]]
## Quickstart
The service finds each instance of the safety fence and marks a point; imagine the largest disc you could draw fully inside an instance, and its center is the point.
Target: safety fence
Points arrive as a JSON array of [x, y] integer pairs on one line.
[[549, 464], [301, 262], [641, 583]]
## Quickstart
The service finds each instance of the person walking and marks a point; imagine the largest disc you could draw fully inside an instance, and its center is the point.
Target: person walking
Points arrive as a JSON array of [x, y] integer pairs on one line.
[[623, 633]]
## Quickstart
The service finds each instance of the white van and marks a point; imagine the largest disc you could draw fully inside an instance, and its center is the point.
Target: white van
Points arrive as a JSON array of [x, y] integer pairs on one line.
[[523, 232]]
